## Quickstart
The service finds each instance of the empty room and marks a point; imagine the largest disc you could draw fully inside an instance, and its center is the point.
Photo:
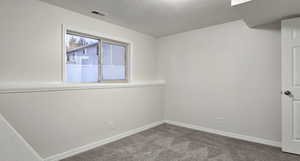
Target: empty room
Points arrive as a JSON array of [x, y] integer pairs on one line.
[[150, 80]]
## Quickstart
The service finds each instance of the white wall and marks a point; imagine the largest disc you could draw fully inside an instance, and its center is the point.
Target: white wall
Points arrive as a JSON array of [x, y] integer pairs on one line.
[[54, 122], [224, 77], [31, 41], [228, 72], [13, 146]]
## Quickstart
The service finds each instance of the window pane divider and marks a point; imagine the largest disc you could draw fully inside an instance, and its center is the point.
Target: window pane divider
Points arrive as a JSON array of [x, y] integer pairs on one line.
[[100, 60]]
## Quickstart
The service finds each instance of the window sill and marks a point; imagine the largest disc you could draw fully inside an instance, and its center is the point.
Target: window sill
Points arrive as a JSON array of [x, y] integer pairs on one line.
[[6, 88]]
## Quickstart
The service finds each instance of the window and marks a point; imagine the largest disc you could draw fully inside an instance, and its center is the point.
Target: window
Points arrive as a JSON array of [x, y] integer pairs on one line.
[[91, 59]]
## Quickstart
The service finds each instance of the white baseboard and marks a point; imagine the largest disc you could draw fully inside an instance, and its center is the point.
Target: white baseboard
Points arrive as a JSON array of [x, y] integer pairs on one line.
[[93, 145], [228, 134]]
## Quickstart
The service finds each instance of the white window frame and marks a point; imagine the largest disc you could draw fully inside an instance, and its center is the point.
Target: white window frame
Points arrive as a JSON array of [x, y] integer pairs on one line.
[[101, 37]]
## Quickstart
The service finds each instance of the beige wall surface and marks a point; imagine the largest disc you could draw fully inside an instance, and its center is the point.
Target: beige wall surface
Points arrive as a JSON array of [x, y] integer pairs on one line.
[[54, 122], [225, 77]]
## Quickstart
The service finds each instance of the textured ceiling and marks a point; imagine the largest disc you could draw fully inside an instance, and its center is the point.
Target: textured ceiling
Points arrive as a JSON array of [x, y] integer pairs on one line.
[[260, 12], [156, 17]]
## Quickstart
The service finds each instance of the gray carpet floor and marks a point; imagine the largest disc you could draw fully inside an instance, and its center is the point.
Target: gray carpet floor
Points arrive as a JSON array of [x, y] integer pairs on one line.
[[171, 143]]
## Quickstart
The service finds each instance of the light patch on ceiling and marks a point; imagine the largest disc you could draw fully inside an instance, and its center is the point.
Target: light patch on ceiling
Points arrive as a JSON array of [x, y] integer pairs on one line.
[[175, 1], [238, 2]]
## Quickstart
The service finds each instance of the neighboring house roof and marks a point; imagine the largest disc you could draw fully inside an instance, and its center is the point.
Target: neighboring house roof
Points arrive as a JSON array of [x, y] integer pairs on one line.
[[81, 48]]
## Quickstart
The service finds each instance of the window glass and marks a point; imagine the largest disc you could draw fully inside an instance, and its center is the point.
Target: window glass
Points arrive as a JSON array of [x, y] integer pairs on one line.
[[114, 58], [82, 59], [86, 64]]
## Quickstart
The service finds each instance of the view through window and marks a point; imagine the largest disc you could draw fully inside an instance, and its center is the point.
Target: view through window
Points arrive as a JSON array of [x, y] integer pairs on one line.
[[90, 59], [113, 61]]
